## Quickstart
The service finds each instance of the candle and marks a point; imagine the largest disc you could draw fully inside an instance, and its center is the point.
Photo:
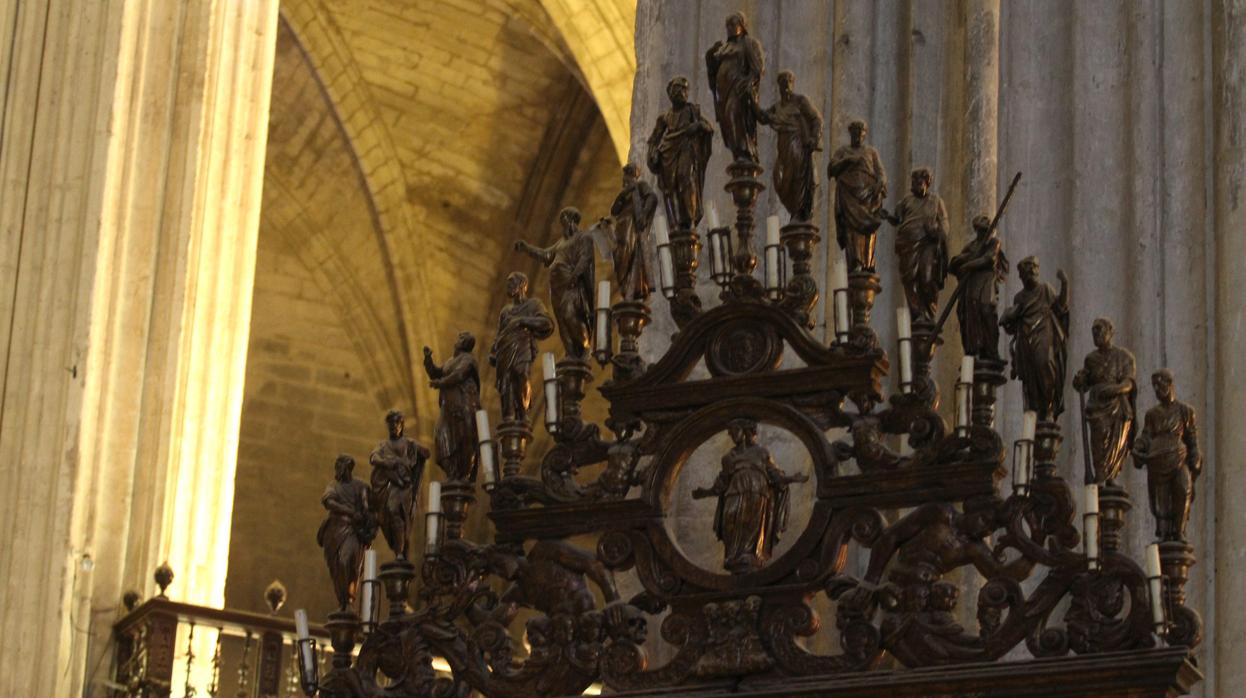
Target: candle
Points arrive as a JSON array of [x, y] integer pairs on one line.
[[904, 327], [1152, 561], [1090, 525], [603, 317], [1155, 583], [551, 393], [966, 370], [718, 262], [305, 645], [1092, 499], [485, 447], [1020, 467], [300, 624], [666, 267], [839, 280], [369, 581], [1029, 424], [434, 496], [432, 532], [548, 366], [603, 295], [772, 252], [711, 212]]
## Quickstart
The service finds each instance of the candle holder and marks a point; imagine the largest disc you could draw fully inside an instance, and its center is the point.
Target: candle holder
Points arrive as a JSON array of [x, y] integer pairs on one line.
[[926, 340], [964, 401], [343, 627], [685, 248], [603, 343], [863, 287], [553, 409], [1184, 625], [514, 437], [1159, 616], [800, 293], [432, 533], [720, 255], [1047, 442], [631, 318], [396, 578], [309, 665], [1090, 529], [776, 271], [457, 498], [574, 375], [487, 459], [1114, 504], [1022, 466], [988, 376]]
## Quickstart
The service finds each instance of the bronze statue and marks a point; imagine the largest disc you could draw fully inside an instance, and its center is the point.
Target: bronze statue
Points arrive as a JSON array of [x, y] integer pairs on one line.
[[1168, 448], [397, 465], [921, 245], [571, 285], [799, 126], [458, 386], [752, 500], [520, 324], [632, 213], [735, 68], [679, 150], [1109, 376], [860, 189], [347, 530], [980, 268], [1039, 324]]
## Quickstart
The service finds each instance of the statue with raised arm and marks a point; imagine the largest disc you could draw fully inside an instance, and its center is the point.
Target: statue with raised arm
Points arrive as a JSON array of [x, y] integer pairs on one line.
[[571, 285], [632, 213], [1039, 324], [521, 323], [735, 67], [397, 466], [1168, 449], [752, 500], [458, 386], [980, 268], [679, 150], [348, 529], [799, 126], [1108, 376], [860, 189], [921, 245]]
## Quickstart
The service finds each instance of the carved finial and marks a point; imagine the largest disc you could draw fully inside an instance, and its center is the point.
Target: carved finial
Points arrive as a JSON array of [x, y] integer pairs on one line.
[[275, 595], [163, 577], [131, 599]]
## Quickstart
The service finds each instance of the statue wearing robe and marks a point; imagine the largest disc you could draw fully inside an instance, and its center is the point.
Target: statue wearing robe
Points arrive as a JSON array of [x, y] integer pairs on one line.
[[1109, 376], [921, 247], [458, 386], [981, 267], [570, 262], [632, 211], [1168, 449], [860, 189], [799, 126], [397, 466], [679, 150], [735, 66], [347, 531], [1039, 324], [520, 324]]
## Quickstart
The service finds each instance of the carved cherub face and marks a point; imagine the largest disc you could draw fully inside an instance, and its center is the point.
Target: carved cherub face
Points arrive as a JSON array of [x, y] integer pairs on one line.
[[1161, 380], [1102, 331]]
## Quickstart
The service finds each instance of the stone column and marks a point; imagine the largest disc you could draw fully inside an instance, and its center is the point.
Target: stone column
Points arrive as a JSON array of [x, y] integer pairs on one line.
[[132, 158]]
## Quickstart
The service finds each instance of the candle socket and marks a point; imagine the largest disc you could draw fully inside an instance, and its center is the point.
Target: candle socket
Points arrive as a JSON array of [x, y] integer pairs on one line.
[[1185, 626], [801, 294], [1114, 504], [863, 287], [573, 375], [1047, 440], [343, 627], [925, 341], [988, 375], [744, 186], [513, 436], [396, 577], [685, 254], [309, 668], [630, 318], [457, 497]]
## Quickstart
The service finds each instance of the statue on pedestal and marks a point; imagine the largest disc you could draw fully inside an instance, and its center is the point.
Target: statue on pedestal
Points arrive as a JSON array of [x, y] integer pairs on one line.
[[397, 466], [520, 324], [632, 212], [860, 189], [1109, 376], [1168, 449], [980, 268], [799, 126], [347, 531], [679, 150], [921, 245], [1039, 324], [752, 500], [570, 262], [735, 67], [458, 386]]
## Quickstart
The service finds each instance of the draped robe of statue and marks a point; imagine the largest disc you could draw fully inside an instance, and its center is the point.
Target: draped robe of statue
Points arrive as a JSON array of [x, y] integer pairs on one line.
[[633, 211], [921, 249], [679, 151], [752, 507], [735, 69], [799, 127], [458, 398], [860, 188], [345, 534], [1039, 323], [1109, 411], [1168, 447], [571, 284], [981, 267], [520, 325], [397, 465]]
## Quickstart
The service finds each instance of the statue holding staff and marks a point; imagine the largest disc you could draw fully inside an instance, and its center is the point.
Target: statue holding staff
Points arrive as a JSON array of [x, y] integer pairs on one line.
[[921, 245], [1039, 324], [1168, 449], [679, 150], [632, 213], [1108, 377], [735, 67], [571, 285], [860, 189], [799, 126], [458, 386], [348, 529], [397, 466], [520, 324]]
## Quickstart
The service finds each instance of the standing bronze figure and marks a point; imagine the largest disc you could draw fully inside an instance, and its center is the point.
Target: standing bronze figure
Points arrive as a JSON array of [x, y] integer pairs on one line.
[[679, 150], [860, 189], [1109, 376], [348, 529], [735, 67], [632, 211], [980, 268], [521, 323], [799, 126], [921, 245], [1039, 324], [570, 262], [752, 500], [458, 386], [1168, 449], [397, 465]]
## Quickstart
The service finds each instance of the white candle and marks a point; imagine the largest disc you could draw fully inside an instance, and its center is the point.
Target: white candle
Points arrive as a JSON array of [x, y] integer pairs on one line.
[[603, 316], [432, 532], [434, 496], [548, 367], [551, 392], [300, 624], [1020, 467], [772, 252], [603, 295], [304, 636], [711, 212], [482, 425], [369, 565], [717, 263], [1029, 424], [839, 279], [369, 579], [485, 446], [966, 370], [666, 266], [1153, 568], [1092, 499], [1090, 525], [904, 328]]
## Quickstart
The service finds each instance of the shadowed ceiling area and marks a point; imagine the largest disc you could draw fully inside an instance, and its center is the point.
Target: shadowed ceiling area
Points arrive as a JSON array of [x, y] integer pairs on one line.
[[410, 145]]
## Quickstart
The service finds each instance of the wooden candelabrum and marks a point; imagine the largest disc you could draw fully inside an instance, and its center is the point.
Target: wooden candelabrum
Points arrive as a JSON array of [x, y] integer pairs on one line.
[[685, 258], [630, 318], [801, 294]]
